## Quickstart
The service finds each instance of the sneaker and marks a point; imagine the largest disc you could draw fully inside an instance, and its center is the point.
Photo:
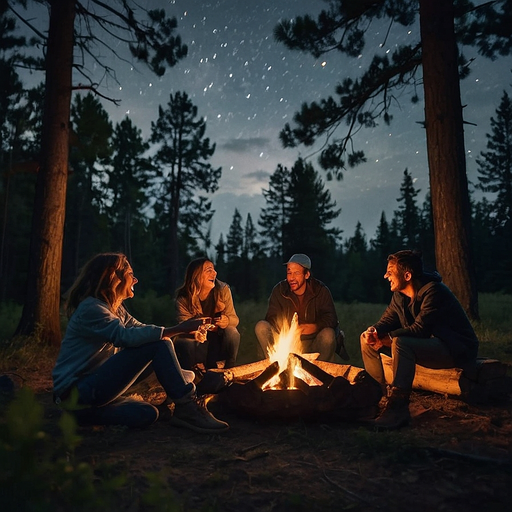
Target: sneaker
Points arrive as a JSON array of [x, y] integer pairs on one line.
[[196, 417]]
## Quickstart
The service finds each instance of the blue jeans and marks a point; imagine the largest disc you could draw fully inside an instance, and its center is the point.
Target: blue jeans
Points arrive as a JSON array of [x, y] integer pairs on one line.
[[102, 390], [220, 345], [406, 352]]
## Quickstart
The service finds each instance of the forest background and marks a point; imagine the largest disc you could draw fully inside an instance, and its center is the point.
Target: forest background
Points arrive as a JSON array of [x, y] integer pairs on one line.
[[121, 197], [119, 191]]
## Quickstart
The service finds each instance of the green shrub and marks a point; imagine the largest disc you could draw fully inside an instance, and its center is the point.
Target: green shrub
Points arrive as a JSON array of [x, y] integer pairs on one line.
[[38, 471]]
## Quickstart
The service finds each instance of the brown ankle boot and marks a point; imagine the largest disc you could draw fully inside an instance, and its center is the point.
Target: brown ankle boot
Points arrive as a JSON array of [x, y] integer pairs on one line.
[[396, 411], [194, 415]]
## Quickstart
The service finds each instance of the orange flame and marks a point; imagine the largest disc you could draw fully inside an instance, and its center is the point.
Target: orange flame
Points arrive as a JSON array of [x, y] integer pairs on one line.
[[285, 343]]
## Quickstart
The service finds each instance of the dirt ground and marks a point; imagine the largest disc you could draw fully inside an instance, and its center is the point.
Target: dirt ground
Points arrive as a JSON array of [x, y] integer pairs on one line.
[[453, 457]]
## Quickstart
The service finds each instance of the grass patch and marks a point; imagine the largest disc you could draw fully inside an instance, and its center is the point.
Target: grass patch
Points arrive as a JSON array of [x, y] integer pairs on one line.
[[22, 355], [249, 313], [494, 329]]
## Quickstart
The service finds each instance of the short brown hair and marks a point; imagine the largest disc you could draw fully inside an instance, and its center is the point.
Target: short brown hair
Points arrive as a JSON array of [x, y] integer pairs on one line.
[[408, 261]]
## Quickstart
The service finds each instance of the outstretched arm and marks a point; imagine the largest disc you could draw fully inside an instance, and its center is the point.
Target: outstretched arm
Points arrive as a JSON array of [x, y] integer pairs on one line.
[[184, 327]]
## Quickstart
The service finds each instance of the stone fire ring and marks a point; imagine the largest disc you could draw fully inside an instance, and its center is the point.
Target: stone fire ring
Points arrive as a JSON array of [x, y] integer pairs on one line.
[[347, 393]]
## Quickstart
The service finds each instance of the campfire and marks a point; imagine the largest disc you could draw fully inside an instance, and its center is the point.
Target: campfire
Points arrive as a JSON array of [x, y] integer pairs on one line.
[[290, 384], [285, 361]]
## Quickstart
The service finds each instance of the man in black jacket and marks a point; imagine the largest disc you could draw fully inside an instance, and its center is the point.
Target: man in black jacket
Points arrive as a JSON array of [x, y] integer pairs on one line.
[[316, 315], [424, 324]]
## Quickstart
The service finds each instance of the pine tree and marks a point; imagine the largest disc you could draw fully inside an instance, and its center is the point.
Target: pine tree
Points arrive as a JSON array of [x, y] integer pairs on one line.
[[220, 252], [311, 212], [151, 41], [427, 237], [90, 152], [182, 158], [250, 246], [275, 214], [362, 101], [485, 245], [495, 164], [356, 268], [129, 179], [297, 216], [235, 239], [495, 177], [383, 244], [407, 215], [20, 129]]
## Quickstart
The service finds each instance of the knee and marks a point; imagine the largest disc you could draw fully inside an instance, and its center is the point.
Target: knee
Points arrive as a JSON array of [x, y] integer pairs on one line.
[[261, 325], [232, 337], [231, 333], [262, 329], [326, 336]]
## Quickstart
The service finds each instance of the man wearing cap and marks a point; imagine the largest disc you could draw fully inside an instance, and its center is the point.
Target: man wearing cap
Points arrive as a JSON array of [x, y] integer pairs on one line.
[[312, 301]]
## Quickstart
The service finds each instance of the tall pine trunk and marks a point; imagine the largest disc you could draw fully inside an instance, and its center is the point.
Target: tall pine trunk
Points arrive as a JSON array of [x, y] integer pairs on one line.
[[173, 258], [42, 304], [446, 153]]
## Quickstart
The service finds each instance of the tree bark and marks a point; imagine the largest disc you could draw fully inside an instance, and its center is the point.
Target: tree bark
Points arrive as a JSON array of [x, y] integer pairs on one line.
[[41, 310], [446, 152]]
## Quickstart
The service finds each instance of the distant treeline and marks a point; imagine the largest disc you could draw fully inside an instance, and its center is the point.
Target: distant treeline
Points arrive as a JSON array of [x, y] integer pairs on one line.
[[121, 196]]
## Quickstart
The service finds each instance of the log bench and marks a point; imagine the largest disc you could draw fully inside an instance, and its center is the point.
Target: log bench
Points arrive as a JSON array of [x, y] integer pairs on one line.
[[484, 383]]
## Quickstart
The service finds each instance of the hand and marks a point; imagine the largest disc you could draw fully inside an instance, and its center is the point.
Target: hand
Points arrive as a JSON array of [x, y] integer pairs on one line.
[[201, 334], [190, 325], [187, 326], [222, 321], [372, 338]]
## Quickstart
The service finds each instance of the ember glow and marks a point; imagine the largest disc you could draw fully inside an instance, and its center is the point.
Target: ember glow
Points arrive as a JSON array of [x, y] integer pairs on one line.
[[286, 344]]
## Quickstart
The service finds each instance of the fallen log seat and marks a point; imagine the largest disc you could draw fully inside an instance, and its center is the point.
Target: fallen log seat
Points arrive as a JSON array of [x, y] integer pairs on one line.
[[486, 382]]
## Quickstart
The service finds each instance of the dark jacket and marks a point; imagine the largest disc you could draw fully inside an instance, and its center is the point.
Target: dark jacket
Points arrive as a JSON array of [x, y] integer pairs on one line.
[[434, 312], [319, 306]]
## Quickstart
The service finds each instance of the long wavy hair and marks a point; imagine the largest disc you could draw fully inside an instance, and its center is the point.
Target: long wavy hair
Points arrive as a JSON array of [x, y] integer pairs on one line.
[[191, 286], [101, 277]]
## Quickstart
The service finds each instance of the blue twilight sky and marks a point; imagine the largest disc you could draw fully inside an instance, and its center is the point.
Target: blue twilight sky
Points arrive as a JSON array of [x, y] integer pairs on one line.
[[248, 86]]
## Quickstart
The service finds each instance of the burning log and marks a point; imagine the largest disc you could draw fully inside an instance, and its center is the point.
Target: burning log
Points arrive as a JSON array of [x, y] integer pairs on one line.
[[321, 375], [338, 392], [290, 385], [266, 375]]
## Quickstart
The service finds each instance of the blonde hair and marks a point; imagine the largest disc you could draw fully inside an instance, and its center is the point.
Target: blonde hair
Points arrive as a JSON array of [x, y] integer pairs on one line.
[[191, 286], [101, 277]]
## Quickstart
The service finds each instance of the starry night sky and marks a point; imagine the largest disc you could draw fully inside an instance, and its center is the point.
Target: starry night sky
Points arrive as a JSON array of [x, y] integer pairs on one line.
[[248, 86]]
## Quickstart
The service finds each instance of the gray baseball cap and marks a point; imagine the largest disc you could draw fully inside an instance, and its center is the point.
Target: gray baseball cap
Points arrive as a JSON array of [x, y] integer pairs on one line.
[[301, 259]]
